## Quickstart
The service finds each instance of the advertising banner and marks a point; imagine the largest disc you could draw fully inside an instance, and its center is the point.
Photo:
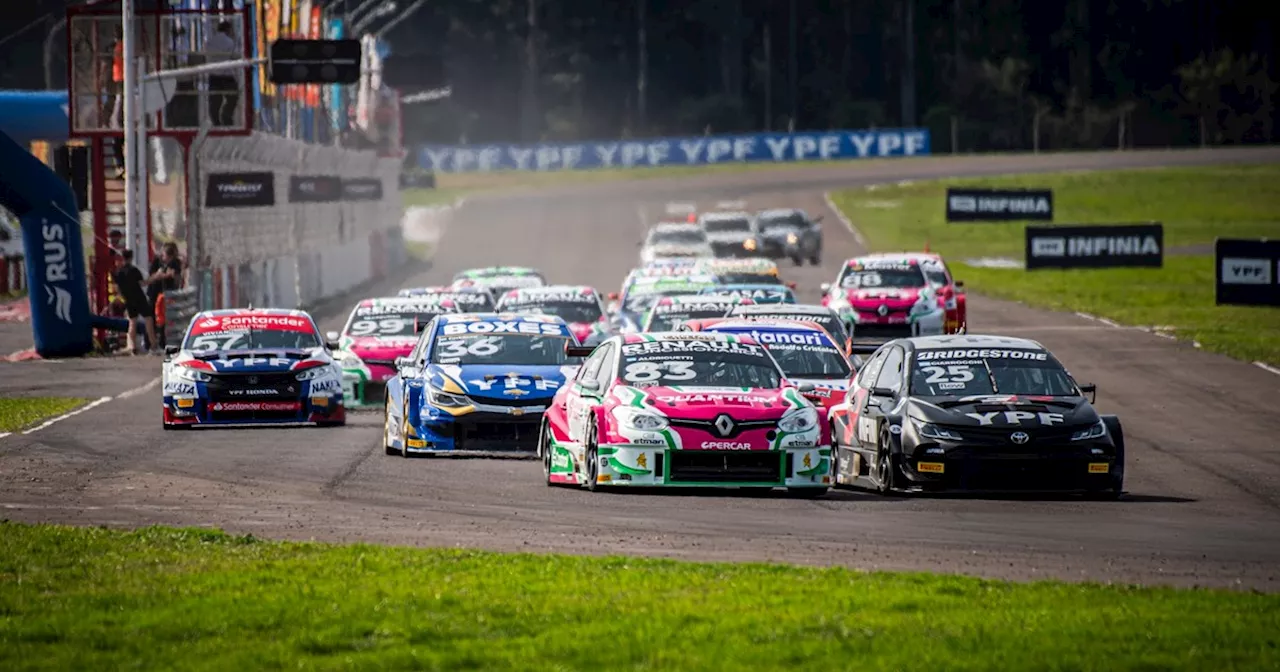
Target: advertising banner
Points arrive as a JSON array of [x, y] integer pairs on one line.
[[1248, 272], [1095, 246], [999, 205]]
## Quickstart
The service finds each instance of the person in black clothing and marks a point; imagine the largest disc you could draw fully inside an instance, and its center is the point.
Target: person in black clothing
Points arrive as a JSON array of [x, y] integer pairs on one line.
[[129, 283], [165, 274]]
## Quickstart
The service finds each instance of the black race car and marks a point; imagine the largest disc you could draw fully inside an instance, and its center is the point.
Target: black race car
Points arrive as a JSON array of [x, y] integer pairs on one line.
[[790, 234], [965, 412]]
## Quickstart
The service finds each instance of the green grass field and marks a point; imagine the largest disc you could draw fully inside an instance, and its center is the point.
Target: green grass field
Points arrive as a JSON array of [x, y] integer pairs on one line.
[[77, 598], [1195, 205], [21, 412]]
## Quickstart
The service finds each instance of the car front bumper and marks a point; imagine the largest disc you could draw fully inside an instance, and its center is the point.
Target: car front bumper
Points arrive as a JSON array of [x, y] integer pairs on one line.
[[654, 466], [1088, 468], [202, 411], [487, 428]]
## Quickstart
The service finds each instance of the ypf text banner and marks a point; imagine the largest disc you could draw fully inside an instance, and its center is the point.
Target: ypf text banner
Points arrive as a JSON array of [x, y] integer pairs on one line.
[[690, 151]]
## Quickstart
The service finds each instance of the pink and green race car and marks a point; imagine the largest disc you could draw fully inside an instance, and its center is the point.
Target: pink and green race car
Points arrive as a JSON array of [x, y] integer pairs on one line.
[[684, 409]]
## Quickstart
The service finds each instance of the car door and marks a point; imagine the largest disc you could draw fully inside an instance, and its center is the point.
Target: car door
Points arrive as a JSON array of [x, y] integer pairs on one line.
[[845, 415], [881, 397], [585, 393]]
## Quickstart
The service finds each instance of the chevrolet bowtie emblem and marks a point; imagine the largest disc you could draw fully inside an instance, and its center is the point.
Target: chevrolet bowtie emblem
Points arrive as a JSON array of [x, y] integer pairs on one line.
[[514, 392], [517, 411]]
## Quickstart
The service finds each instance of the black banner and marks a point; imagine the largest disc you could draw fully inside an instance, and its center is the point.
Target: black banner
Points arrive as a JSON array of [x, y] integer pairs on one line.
[[1095, 246], [1248, 272], [417, 180], [999, 205], [315, 189], [362, 189], [240, 190]]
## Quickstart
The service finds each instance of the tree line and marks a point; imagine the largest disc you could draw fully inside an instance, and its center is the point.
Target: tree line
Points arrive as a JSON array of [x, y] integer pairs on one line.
[[982, 75]]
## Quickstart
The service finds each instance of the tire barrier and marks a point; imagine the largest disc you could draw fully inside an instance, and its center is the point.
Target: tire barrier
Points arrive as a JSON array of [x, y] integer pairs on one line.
[[180, 305]]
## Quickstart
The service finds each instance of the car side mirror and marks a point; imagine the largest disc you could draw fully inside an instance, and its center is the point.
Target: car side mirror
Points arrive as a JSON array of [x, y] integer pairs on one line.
[[825, 287], [791, 285], [331, 335], [959, 284], [883, 392], [806, 388], [613, 296], [1091, 390], [401, 362], [332, 345], [170, 350], [590, 385]]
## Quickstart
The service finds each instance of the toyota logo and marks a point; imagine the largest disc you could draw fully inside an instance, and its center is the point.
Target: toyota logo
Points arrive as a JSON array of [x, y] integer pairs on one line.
[[723, 425], [1019, 437], [883, 310]]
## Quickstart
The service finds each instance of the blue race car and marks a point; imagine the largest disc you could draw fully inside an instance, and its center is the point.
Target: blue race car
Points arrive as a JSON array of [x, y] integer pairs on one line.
[[759, 293], [477, 382], [247, 366]]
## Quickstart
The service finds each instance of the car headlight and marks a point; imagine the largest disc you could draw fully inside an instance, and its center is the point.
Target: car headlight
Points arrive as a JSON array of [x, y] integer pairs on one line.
[[1097, 431], [792, 239], [352, 361], [928, 430], [313, 373], [641, 421], [749, 244], [801, 420], [191, 375], [442, 399]]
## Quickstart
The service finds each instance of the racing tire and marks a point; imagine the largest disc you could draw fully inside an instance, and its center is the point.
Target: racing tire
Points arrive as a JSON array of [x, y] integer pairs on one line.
[[1117, 480], [835, 457], [886, 469], [593, 461], [404, 429], [815, 260], [544, 452], [386, 428]]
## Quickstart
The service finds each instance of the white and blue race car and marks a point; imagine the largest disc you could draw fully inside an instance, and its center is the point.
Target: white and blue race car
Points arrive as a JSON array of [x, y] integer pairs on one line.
[[251, 366]]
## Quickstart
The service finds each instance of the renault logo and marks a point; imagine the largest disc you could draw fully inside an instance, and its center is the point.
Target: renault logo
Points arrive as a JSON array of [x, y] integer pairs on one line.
[[1019, 437], [723, 425], [883, 310]]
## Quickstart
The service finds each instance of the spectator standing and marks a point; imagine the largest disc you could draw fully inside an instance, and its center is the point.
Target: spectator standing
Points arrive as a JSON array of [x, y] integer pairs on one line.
[[129, 283], [165, 274]]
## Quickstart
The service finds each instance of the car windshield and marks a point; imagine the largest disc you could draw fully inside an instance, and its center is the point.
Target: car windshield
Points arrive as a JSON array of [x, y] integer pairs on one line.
[[811, 360], [989, 371], [748, 279], [735, 225], [390, 321], [775, 294], [789, 221], [683, 237], [641, 299], [697, 364], [213, 335], [936, 275], [668, 320], [506, 350], [569, 311], [876, 278], [468, 302]]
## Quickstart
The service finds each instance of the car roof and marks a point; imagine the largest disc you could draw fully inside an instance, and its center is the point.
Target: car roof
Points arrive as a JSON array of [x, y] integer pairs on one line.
[[927, 257], [668, 227], [775, 325], [650, 337], [725, 214], [712, 265], [738, 286], [226, 312], [779, 212], [684, 299], [454, 318], [532, 292], [972, 341]]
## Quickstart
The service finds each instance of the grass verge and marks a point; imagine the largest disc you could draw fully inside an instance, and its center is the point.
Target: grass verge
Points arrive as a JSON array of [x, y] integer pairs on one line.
[[75, 598], [21, 412], [1195, 205]]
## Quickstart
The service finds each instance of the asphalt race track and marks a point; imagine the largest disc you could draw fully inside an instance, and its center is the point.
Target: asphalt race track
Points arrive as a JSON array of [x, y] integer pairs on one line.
[[1203, 460]]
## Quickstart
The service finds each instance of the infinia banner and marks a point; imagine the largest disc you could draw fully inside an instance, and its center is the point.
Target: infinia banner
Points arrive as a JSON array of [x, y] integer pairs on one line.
[[689, 151]]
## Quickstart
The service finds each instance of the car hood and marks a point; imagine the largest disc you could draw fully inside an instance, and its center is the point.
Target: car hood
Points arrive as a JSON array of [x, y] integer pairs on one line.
[[1010, 412], [374, 348], [500, 383], [706, 403], [255, 361]]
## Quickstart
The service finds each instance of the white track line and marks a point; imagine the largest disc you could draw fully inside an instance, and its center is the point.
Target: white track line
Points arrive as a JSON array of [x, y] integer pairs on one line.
[[1267, 367], [96, 402], [93, 404], [857, 235]]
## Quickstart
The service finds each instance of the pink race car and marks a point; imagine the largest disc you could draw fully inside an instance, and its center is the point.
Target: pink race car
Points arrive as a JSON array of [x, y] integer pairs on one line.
[[684, 409], [883, 297], [579, 306]]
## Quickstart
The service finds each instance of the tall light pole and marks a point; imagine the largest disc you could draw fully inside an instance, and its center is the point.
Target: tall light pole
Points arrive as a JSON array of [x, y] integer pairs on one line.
[[129, 98], [908, 64], [529, 108], [643, 66], [794, 74]]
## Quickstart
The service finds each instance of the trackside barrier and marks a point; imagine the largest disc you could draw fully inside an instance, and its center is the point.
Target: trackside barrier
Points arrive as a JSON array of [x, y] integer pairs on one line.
[[14, 272], [285, 253], [180, 305]]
